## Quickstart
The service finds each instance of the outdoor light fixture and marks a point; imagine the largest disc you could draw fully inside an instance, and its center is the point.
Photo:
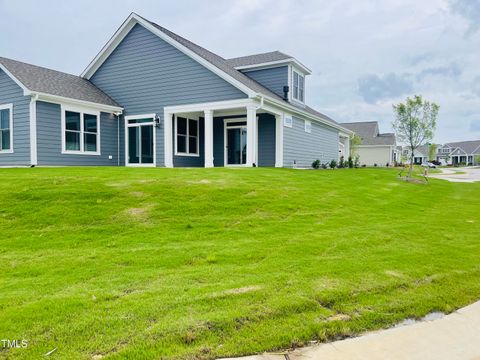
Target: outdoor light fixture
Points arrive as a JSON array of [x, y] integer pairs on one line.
[[157, 121]]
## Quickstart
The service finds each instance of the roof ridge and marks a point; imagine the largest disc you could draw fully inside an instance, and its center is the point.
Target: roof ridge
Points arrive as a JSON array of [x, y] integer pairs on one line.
[[258, 54]]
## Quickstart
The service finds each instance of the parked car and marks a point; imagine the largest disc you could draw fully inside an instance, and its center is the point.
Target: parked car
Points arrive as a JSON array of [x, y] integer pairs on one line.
[[429, 165]]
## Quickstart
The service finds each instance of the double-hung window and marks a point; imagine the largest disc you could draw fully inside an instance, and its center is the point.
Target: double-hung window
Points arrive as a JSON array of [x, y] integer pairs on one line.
[[298, 86], [81, 132], [6, 131], [186, 135], [308, 126]]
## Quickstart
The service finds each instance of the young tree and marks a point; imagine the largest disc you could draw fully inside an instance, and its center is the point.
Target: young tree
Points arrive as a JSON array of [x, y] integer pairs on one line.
[[355, 141], [415, 122], [432, 152]]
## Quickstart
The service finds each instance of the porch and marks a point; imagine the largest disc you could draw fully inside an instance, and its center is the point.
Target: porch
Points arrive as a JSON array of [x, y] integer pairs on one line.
[[233, 133]]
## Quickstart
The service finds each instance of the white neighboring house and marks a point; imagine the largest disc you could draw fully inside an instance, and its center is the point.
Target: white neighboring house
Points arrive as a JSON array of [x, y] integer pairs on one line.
[[463, 152], [375, 148], [420, 155]]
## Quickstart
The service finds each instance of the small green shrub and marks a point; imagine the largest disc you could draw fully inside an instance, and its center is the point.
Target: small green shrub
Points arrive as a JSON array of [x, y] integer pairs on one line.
[[333, 164], [356, 162], [350, 162], [316, 164]]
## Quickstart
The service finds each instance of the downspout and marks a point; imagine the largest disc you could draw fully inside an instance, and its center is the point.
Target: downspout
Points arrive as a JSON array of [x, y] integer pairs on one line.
[[118, 139], [33, 130]]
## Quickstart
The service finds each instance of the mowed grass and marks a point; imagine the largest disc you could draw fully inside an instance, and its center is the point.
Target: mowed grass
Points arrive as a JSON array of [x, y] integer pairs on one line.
[[204, 263]]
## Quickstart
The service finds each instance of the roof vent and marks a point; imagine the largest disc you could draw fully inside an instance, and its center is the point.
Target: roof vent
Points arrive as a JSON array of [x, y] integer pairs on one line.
[[286, 89]]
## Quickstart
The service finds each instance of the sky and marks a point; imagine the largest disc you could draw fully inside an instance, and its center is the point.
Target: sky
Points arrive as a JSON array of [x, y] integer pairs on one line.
[[364, 55]]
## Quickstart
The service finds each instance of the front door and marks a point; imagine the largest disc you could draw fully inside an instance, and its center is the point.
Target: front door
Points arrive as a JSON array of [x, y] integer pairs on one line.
[[236, 143], [140, 140]]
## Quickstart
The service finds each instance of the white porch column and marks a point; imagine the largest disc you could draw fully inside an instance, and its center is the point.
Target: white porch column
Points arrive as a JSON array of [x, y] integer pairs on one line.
[[278, 141], [251, 134], [208, 138], [168, 139]]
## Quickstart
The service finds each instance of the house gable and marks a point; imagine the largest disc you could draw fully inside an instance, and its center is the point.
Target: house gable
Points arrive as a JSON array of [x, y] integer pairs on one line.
[[144, 73], [273, 79]]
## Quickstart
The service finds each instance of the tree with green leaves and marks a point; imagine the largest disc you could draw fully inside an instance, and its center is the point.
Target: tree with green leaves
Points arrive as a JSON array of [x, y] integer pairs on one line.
[[355, 141], [415, 123], [432, 152]]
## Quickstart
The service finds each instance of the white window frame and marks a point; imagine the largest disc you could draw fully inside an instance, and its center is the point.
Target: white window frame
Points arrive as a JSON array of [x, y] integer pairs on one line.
[[81, 111], [288, 121], [10, 126], [188, 153], [299, 75], [308, 126], [128, 125]]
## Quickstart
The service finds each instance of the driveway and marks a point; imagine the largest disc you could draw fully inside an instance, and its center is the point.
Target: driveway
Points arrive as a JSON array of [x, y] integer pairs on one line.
[[463, 174], [453, 337]]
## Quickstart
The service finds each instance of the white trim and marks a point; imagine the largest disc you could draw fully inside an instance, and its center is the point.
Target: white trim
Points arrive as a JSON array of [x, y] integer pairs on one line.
[[288, 121], [127, 125], [308, 126], [299, 75], [10, 75], [10, 127], [251, 135], [122, 31], [82, 111], [33, 131], [218, 105], [225, 127], [278, 140], [277, 63], [79, 103], [168, 138], [208, 139], [187, 144]]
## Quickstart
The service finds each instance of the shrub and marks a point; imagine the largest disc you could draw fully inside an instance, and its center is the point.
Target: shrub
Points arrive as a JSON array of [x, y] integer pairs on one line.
[[340, 162], [364, 165], [350, 162], [333, 164], [375, 164], [356, 162], [316, 164], [388, 165]]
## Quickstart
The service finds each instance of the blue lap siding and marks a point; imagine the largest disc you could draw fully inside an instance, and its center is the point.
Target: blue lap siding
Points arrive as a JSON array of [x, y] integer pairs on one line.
[[273, 79], [144, 74], [11, 93], [49, 139], [303, 148]]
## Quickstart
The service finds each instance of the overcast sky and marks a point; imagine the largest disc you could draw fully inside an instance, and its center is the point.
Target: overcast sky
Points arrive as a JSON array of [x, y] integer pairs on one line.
[[365, 55]]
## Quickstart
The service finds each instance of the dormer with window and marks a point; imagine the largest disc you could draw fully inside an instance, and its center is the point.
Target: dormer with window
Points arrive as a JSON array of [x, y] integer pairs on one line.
[[275, 71]]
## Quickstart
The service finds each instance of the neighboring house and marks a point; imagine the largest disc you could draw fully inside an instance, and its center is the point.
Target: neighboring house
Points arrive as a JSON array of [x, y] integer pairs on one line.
[[153, 98], [420, 155], [463, 152], [375, 148]]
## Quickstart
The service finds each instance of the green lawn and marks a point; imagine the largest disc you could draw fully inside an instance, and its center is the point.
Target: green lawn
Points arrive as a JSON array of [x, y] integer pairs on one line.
[[202, 263]]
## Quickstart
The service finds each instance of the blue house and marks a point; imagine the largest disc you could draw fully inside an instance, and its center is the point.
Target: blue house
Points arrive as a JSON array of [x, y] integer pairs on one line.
[[153, 98]]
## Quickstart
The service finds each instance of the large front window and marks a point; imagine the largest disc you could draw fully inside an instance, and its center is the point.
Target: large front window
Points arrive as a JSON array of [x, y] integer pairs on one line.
[[81, 132], [298, 86], [6, 135], [186, 135]]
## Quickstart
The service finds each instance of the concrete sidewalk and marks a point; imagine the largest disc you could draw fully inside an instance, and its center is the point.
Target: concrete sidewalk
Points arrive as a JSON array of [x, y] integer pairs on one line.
[[455, 336], [467, 174]]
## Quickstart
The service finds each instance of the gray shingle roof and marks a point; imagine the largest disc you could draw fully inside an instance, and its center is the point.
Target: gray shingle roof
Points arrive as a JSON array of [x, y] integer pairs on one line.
[[258, 58], [40, 79], [470, 147], [368, 132], [227, 67]]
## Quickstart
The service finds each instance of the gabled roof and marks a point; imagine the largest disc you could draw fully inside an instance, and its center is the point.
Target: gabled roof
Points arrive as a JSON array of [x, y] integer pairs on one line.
[[273, 58], [214, 62], [258, 59], [369, 134], [38, 79], [469, 147]]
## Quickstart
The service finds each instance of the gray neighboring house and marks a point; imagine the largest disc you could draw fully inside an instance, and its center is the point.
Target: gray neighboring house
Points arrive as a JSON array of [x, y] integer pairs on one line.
[[153, 98], [420, 155], [462, 152], [375, 148]]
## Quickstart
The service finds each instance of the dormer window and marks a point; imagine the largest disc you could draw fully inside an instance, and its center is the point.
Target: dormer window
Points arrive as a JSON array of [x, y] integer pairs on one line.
[[298, 86]]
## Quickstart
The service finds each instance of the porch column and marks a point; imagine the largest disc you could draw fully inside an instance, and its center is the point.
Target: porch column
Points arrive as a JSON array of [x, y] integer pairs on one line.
[[168, 139], [208, 138], [251, 134], [278, 141]]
